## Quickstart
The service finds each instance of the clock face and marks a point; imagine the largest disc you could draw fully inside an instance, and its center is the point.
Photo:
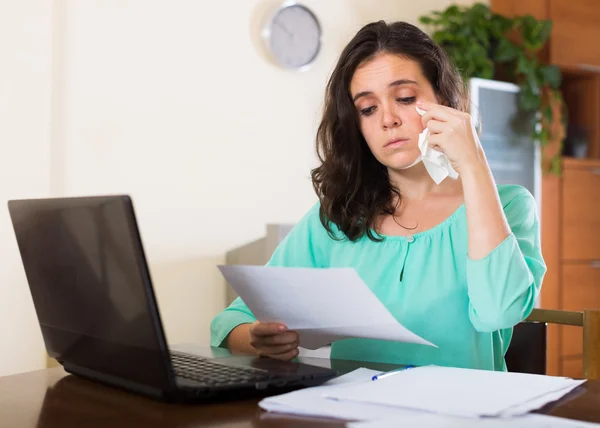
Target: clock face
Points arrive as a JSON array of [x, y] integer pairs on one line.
[[294, 36]]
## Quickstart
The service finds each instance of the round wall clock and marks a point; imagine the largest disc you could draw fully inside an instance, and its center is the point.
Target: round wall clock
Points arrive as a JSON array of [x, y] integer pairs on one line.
[[292, 36]]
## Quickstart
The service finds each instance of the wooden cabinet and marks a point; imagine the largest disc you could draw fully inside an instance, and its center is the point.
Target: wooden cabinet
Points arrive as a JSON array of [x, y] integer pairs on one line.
[[579, 256], [575, 30], [581, 290], [570, 217], [575, 34], [571, 367], [535, 8], [581, 92], [580, 233]]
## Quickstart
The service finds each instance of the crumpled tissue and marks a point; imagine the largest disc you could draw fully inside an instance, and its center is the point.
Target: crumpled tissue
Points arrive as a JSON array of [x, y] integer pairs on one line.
[[436, 163]]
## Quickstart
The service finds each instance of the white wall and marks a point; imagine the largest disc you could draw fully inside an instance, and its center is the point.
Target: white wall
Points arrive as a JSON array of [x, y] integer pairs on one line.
[[25, 82], [174, 103]]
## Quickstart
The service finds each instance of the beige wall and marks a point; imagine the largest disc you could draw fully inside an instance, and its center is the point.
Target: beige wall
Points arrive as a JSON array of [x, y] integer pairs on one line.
[[25, 96], [174, 103]]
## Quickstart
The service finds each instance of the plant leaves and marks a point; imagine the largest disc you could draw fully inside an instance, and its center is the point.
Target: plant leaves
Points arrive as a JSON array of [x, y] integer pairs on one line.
[[545, 31], [505, 51], [529, 101], [552, 75], [547, 112]]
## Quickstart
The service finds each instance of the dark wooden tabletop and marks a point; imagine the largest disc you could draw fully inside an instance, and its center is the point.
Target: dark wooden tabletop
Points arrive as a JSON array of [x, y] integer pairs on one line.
[[52, 398]]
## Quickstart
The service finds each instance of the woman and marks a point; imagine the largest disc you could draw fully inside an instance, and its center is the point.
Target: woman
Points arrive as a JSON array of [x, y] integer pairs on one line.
[[457, 263]]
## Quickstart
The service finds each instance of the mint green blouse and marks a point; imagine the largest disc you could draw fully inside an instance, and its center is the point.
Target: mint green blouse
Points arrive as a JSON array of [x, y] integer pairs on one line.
[[427, 281]]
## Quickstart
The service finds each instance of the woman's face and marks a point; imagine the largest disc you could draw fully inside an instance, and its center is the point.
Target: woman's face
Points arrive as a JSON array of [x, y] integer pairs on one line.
[[385, 91]]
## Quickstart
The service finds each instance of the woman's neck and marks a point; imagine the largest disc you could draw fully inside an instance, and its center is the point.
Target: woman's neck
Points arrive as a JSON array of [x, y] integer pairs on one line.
[[415, 183]]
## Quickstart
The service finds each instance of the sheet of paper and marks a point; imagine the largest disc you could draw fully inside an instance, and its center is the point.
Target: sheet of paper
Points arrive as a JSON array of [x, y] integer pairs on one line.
[[425, 420], [538, 402], [458, 392], [322, 305], [310, 402]]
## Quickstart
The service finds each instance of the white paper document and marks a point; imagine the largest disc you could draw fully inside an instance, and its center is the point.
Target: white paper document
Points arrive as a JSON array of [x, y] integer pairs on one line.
[[322, 305], [459, 392], [312, 402], [427, 420]]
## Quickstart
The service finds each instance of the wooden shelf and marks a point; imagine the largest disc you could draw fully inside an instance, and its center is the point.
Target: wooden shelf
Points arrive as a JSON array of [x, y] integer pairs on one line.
[[569, 162]]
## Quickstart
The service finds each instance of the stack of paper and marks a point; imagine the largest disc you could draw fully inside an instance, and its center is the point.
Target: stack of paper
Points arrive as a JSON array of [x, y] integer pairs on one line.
[[313, 401], [376, 407], [307, 300], [425, 420], [459, 392]]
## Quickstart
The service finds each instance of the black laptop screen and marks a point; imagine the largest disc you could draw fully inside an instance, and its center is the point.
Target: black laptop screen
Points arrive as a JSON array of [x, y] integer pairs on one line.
[[88, 278]]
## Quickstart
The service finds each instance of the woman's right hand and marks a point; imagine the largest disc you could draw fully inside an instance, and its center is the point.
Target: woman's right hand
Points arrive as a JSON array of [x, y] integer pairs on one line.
[[274, 340]]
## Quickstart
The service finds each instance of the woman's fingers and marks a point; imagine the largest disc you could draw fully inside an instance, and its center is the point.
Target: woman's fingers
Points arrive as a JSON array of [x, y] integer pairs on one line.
[[272, 340], [436, 126], [286, 356], [436, 142], [267, 329], [440, 113], [277, 349], [278, 339]]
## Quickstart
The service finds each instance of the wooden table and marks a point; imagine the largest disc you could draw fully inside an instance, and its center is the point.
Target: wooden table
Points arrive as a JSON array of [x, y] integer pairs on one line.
[[52, 398]]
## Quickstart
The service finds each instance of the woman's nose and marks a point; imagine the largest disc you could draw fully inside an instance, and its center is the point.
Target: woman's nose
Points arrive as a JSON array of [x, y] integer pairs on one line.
[[390, 119]]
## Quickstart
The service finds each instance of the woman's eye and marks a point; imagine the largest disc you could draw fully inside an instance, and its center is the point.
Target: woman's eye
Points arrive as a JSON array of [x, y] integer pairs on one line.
[[408, 100], [367, 111]]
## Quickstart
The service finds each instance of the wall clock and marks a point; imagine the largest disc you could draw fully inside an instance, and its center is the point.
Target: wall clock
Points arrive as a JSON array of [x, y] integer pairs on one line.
[[292, 35]]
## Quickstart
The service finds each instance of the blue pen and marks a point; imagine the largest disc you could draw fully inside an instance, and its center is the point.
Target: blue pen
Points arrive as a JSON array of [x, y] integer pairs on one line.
[[391, 372]]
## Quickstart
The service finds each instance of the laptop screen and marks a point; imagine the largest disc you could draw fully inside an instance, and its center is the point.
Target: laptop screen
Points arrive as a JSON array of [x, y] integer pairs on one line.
[[88, 278]]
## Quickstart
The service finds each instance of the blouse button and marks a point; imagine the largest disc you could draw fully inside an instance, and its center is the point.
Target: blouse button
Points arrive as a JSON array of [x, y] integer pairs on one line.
[[410, 239]]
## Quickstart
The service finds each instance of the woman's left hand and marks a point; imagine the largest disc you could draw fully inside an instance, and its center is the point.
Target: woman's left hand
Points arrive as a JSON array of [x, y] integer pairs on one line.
[[452, 132]]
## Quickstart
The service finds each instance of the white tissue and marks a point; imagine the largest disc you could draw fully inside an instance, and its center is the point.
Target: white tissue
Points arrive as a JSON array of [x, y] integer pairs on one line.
[[436, 163]]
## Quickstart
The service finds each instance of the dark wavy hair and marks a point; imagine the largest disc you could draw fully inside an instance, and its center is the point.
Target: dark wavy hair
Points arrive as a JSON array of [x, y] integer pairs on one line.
[[353, 187]]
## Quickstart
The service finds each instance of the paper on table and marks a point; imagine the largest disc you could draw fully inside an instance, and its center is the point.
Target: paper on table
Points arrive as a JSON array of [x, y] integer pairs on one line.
[[311, 402], [458, 392], [427, 420], [322, 305], [538, 402]]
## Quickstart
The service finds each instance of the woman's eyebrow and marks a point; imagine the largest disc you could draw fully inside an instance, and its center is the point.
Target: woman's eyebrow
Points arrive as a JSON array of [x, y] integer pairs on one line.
[[398, 82]]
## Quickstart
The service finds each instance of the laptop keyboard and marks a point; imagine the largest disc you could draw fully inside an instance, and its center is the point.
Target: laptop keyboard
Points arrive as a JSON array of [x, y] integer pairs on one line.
[[208, 372]]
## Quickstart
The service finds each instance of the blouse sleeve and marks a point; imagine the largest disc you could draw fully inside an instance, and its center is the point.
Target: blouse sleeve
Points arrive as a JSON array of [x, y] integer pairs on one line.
[[504, 286], [300, 248]]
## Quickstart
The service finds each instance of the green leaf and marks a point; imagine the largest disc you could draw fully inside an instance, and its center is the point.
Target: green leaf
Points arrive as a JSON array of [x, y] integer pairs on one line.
[[547, 112], [482, 36], [556, 165], [487, 70], [545, 31], [523, 65], [551, 74], [426, 20], [529, 101], [505, 51]]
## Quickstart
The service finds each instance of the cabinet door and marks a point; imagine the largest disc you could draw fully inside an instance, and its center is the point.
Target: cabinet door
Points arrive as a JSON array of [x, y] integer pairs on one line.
[[575, 34], [510, 8], [580, 219], [580, 290], [572, 367]]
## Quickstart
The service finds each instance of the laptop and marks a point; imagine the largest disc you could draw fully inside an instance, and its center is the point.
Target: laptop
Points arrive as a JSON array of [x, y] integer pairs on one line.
[[92, 292]]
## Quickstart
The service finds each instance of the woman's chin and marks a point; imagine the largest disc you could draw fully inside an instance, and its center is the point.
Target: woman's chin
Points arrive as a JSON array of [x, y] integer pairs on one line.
[[406, 163]]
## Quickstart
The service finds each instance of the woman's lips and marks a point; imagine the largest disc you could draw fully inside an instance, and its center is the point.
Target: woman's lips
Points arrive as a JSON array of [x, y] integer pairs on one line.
[[395, 143]]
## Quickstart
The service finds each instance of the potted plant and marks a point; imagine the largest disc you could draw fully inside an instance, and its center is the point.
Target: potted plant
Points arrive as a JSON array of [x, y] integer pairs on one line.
[[487, 45]]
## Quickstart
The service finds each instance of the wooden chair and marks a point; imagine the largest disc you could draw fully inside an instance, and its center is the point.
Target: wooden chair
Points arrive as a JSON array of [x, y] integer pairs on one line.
[[527, 351]]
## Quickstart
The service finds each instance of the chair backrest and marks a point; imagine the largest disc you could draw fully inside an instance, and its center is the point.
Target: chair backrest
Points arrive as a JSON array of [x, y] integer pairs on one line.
[[589, 319], [527, 350]]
